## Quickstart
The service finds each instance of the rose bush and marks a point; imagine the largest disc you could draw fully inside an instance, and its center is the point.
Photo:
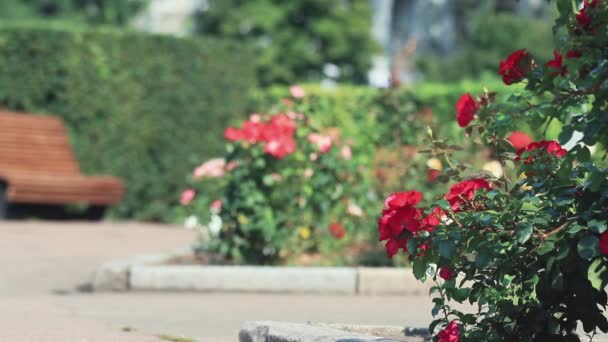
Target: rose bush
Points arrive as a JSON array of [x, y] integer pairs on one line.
[[286, 186], [527, 246]]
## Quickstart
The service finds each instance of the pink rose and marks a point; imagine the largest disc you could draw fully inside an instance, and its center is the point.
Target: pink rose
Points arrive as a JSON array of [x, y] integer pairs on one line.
[[323, 142], [212, 168], [187, 196], [346, 152], [297, 91], [216, 206]]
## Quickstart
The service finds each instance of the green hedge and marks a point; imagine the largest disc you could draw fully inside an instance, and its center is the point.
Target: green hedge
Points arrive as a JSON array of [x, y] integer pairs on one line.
[[143, 107]]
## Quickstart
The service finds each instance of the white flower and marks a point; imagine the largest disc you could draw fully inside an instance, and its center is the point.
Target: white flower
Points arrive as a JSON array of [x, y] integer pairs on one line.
[[215, 225], [494, 168], [354, 209], [191, 222]]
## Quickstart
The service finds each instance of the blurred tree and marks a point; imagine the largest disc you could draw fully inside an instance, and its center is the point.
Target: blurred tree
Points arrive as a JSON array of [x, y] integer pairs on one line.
[[487, 34], [297, 40], [110, 12]]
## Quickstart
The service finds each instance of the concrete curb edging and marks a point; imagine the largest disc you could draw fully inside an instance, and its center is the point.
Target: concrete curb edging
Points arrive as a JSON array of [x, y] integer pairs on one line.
[[262, 331], [151, 273]]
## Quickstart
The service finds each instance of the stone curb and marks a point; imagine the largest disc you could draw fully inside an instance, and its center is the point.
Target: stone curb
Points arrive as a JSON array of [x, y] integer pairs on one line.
[[270, 331], [148, 273]]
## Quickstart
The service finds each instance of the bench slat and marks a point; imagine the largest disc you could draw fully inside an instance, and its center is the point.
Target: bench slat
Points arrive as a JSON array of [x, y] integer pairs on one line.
[[37, 162]]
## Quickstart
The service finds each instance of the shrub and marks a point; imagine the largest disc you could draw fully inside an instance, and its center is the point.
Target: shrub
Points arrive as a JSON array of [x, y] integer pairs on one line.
[[388, 126], [288, 186], [295, 40], [528, 248], [491, 36], [109, 12], [141, 107]]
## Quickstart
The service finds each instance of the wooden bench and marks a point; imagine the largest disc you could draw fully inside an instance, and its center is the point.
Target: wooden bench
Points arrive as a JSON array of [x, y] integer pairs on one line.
[[37, 166]]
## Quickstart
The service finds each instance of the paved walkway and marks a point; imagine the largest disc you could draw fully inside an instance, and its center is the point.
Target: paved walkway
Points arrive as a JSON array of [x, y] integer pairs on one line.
[[43, 265]]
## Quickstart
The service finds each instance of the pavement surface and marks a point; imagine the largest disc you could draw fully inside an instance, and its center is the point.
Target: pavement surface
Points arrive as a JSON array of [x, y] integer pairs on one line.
[[45, 268]]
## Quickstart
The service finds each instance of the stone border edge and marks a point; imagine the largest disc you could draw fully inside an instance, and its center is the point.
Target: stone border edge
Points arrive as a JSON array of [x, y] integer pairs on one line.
[[147, 273]]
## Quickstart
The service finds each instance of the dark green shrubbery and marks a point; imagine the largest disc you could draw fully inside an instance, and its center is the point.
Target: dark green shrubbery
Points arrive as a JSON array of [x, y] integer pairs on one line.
[[490, 37], [142, 107], [294, 39]]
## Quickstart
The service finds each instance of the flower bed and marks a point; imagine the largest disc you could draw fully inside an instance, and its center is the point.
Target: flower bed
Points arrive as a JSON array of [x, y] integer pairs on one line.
[[527, 247]]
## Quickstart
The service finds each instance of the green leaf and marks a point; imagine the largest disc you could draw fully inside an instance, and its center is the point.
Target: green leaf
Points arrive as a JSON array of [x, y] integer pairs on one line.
[[596, 180], [523, 233], [597, 226], [588, 247], [483, 259], [460, 295], [529, 206], [575, 228], [419, 269], [447, 248], [547, 247], [443, 204], [412, 246]]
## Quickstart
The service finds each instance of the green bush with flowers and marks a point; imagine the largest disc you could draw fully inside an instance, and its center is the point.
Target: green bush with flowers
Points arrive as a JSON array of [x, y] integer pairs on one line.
[[287, 186], [529, 248]]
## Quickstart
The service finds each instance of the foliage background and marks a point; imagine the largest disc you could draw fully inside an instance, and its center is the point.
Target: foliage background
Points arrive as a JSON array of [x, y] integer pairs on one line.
[[138, 106], [295, 39]]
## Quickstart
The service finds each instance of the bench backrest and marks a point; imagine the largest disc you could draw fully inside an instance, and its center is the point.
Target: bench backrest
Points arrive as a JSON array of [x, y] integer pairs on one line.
[[35, 143]]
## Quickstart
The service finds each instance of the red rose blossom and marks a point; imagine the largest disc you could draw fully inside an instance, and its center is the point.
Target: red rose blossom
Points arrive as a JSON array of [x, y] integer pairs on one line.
[[233, 134], [463, 192], [446, 273], [604, 243], [572, 54], [399, 215], [280, 147], [466, 108], [451, 333], [557, 63], [552, 147], [432, 220], [583, 18], [337, 231], [515, 67], [519, 139], [276, 135]]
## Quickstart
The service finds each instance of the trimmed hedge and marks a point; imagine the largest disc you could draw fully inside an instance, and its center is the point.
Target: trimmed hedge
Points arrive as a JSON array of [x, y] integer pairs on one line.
[[143, 107]]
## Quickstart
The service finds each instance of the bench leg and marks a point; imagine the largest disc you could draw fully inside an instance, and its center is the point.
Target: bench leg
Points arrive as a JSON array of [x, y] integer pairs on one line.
[[3, 202], [96, 212]]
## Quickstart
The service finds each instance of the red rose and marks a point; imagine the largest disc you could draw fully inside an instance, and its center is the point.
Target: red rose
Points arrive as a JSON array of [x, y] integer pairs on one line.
[[557, 63], [446, 273], [280, 146], [402, 199], [283, 124], [233, 134], [583, 18], [604, 243], [337, 231], [451, 333], [432, 220], [432, 174], [515, 67], [519, 139], [572, 54], [463, 192], [399, 215], [253, 131], [466, 107], [552, 147]]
